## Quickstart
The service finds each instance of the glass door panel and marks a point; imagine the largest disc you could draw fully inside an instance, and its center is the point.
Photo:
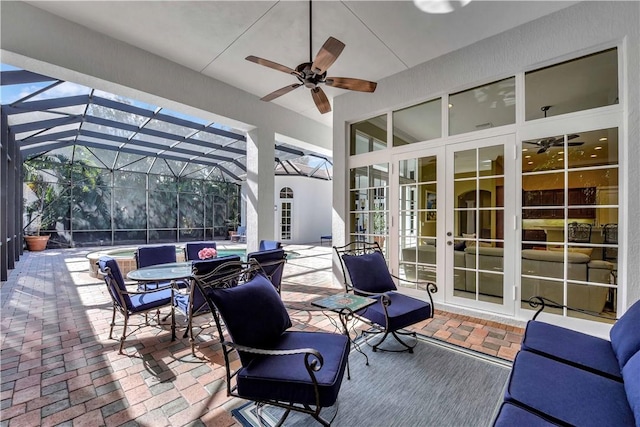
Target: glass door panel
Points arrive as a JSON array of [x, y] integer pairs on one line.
[[475, 224], [417, 224]]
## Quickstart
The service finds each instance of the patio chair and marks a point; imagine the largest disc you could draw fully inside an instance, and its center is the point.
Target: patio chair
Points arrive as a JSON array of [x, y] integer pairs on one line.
[[193, 303], [272, 263], [133, 302], [366, 273], [147, 256], [265, 245], [241, 236], [296, 370], [191, 249]]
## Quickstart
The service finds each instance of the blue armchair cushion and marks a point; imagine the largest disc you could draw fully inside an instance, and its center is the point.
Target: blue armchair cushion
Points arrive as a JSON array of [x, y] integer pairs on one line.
[[266, 245], [563, 392], [192, 248], [268, 256], [403, 311], [105, 262], [511, 415], [151, 300], [625, 334], [153, 255], [253, 312], [581, 350], [285, 378], [631, 375], [369, 272]]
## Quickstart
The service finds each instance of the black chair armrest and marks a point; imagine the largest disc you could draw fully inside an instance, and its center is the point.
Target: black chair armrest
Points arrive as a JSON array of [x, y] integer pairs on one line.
[[540, 303], [314, 364]]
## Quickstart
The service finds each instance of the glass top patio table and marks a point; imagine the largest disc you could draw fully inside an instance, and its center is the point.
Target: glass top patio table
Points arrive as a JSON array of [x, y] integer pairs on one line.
[[161, 272]]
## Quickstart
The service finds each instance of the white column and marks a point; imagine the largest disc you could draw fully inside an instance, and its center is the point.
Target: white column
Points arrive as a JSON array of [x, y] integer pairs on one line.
[[260, 186]]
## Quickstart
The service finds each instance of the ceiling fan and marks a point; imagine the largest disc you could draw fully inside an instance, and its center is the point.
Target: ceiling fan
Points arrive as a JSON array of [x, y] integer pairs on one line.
[[547, 143], [314, 73]]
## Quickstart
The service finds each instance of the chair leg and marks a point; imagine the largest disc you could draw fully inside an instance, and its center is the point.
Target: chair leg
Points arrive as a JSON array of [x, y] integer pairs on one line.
[[113, 322], [124, 333]]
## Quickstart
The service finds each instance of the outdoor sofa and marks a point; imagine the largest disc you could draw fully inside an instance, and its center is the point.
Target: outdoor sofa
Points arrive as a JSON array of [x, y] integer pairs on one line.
[[564, 377]]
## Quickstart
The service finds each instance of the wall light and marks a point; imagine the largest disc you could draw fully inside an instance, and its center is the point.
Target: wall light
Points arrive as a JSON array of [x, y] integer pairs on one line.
[[439, 6]]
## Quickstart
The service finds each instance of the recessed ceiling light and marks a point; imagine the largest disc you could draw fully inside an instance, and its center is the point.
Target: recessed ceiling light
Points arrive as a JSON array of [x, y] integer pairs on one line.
[[560, 152], [525, 149], [530, 163], [597, 148], [560, 159], [603, 139], [594, 155], [527, 157]]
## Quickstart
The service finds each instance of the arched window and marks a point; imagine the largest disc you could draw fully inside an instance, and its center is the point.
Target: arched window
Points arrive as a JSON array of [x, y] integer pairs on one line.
[[286, 193]]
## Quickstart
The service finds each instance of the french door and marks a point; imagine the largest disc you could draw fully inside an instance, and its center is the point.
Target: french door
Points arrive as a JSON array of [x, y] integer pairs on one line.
[[455, 221]]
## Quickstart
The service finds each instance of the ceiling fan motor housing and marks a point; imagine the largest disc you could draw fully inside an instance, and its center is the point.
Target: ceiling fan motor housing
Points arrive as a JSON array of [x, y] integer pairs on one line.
[[307, 77]]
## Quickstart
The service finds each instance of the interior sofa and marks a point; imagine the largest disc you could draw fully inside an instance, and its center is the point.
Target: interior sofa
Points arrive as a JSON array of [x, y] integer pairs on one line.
[[544, 263], [564, 377]]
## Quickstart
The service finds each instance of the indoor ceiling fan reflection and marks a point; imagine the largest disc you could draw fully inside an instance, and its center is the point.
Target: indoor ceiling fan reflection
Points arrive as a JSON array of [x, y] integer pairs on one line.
[[547, 143], [314, 73]]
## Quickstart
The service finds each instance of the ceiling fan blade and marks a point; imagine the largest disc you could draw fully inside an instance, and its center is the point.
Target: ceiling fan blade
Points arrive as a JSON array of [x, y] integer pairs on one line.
[[276, 93], [574, 144], [542, 150], [327, 55], [271, 64], [321, 100], [351, 84]]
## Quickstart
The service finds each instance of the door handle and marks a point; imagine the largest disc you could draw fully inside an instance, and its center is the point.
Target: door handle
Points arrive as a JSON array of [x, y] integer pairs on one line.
[[449, 242]]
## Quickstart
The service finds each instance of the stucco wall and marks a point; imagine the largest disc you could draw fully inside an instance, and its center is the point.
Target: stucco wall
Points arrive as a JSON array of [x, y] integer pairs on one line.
[[583, 27]]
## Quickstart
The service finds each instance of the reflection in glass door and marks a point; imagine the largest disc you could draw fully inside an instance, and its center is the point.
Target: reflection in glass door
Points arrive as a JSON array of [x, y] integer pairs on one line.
[[417, 213], [475, 228]]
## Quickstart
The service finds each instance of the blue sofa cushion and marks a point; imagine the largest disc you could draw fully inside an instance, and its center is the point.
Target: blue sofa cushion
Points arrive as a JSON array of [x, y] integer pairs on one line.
[[631, 375], [285, 377], [563, 392], [369, 272], [254, 314], [582, 350], [625, 334], [511, 415], [403, 311]]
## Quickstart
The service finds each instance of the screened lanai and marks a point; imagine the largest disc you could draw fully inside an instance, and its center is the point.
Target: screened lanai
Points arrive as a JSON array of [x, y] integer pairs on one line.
[[103, 169]]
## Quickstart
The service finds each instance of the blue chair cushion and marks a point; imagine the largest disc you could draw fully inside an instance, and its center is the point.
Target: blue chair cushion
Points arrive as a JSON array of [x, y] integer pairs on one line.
[[578, 349], [369, 272], [625, 334], [191, 249], [105, 262], [151, 300], [403, 311], [511, 415], [285, 378], [268, 256], [561, 391], [631, 375], [266, 245], [253, 312], [153, 255]]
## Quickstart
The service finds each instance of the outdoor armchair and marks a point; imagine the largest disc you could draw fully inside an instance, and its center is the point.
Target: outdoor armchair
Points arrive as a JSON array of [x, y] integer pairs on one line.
[[191, 249], [147, 256], [366, 273], [133, 302], [193, 303], [295, 370], [272, 263], [265, 245]]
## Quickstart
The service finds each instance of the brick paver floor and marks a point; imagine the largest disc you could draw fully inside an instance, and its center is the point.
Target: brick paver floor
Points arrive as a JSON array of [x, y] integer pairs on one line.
[[58, 366]]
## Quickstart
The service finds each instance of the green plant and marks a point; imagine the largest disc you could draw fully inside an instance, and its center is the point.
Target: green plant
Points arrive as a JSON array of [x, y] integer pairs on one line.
[[38, 216], [379, 221]]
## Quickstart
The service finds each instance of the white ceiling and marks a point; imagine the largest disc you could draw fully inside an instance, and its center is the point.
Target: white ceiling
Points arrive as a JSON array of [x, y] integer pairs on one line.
[[213, 37]]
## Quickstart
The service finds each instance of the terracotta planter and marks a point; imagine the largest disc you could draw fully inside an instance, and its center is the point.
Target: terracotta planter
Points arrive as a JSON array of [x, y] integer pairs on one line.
[[36, 243]]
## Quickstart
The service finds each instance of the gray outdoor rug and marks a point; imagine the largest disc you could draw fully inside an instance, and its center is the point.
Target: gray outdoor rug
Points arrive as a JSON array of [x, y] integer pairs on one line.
[[438, 385]]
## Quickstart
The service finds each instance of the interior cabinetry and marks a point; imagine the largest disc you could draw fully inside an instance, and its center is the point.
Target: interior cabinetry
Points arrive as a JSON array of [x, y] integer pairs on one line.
[[548, 204]]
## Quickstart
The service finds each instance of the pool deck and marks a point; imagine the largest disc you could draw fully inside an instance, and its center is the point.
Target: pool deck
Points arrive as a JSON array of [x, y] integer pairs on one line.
[[58, 366]]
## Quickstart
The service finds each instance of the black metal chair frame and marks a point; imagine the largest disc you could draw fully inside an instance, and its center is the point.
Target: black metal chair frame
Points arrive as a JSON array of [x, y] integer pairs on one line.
[[610, 234], [579, 232], [540, 303], [119, 305], [361, 248], [313, 359], [279, 268]]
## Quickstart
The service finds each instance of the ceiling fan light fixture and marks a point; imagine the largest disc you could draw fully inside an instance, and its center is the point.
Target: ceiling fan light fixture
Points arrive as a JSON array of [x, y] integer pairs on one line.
[[439, 6]]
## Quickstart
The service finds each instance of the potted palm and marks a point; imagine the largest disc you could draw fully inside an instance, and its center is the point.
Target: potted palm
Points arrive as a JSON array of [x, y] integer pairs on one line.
[[379, 226], [38, 218]]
